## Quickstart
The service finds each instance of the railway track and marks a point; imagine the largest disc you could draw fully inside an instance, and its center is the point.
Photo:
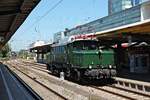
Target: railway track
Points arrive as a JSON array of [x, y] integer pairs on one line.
[[136, 92], [114, 93], [33, 79], [124, 93], [37, 67], [31, 65], [35, 64], [114, 90], [142, 95]]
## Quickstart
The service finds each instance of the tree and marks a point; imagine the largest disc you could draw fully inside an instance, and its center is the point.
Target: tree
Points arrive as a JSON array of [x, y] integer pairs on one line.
[[23, 53], [5, 50]]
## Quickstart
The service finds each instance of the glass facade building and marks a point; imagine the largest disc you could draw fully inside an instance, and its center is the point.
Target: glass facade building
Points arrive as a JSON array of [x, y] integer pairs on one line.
[[131, 15], [121, 18], [119, 5]]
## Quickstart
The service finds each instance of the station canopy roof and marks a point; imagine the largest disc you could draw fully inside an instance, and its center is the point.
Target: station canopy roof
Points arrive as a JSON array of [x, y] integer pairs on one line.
[[140, 32], [41, 49], [12, 14]]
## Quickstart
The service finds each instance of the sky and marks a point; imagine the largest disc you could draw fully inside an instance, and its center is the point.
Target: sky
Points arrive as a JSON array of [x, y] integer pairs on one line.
[[41, 25]]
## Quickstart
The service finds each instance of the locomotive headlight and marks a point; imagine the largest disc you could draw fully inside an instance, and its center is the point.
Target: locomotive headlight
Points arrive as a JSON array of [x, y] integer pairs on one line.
[[110, 66], [90, 67]]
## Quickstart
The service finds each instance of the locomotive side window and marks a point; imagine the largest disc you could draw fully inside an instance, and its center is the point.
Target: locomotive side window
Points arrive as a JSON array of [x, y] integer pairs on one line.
[[59, 49]]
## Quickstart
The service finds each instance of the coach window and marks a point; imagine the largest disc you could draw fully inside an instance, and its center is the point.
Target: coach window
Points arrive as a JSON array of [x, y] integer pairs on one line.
[[61, 49], [56, 49]]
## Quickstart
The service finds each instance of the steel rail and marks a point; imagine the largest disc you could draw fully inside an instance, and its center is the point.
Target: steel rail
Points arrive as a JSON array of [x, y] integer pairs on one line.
[[34, 63], [34, 67], [112, 86], [61, 96], [132, 91], [114, 93]]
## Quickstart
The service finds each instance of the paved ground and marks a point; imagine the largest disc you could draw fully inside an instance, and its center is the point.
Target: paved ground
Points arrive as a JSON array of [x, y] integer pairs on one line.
[[10, 88], [3, 92]]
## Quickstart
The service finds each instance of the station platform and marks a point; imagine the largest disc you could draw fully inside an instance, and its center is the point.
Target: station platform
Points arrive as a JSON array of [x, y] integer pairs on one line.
[[3, 92], [11, 88]]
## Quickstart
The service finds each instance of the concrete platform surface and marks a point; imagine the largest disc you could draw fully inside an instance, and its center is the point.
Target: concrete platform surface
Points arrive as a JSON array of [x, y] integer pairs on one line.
[[10, 87]]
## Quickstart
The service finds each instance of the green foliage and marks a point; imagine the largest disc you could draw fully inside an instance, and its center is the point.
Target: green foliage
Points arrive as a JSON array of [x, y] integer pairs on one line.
[[4, 51], [23, 54]]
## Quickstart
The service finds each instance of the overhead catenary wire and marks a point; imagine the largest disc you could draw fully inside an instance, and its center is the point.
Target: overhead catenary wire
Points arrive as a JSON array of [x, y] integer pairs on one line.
[[45, 14], [51, 9], [40, 18]]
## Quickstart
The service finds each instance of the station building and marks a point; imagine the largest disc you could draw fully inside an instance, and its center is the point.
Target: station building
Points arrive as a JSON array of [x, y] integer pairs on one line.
[[128, 13], [118, 5], [124, 17]]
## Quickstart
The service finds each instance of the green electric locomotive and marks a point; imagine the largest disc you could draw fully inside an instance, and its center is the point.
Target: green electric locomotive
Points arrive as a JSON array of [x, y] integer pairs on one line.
[[81, 57]]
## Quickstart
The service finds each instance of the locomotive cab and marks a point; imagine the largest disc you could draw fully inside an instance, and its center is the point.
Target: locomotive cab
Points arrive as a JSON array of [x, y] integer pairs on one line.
[[90, 61]]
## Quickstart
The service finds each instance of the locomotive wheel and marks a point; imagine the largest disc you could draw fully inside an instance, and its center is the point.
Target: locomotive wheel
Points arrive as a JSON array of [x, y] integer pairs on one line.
[[51, 69], [77, 76], [68, 73], [47, 66]]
